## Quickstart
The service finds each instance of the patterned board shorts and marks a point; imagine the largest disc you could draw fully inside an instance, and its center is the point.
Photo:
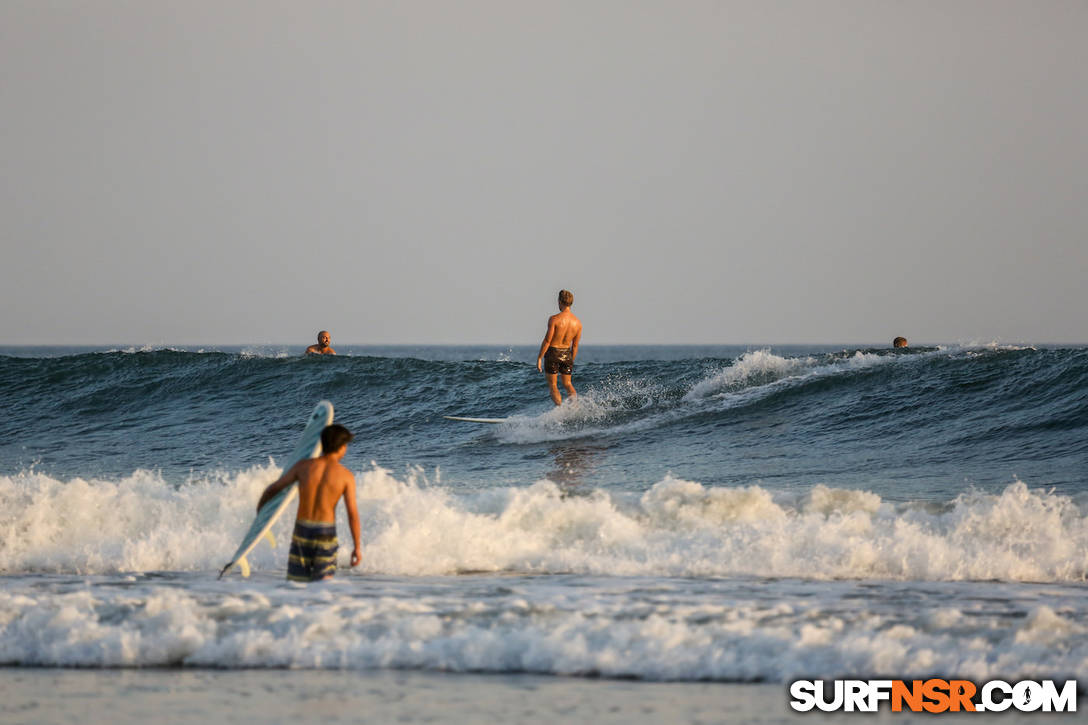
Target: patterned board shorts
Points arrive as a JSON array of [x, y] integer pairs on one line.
[[558, 361], [313, 551]]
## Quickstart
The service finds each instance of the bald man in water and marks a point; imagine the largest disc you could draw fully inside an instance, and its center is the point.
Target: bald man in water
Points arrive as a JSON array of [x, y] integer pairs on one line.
[[322, 347]]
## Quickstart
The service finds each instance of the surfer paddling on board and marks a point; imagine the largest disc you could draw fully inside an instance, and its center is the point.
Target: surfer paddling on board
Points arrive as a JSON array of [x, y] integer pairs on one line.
[[322, 347], [322, 481], [560, 347]]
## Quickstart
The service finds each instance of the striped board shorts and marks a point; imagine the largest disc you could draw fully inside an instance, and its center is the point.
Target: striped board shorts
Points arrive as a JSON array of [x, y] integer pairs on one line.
[[313, 551]]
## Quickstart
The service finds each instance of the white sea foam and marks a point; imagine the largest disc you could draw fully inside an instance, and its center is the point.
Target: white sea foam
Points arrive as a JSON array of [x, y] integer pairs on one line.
[[591, 413], [137, 523], [769, 371], [762, 363], [132, 349], [771, 586], [665, 631], [994, 346], [676, 528]]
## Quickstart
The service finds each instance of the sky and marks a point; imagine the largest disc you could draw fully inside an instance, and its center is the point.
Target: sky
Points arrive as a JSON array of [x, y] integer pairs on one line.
[[433, 173]]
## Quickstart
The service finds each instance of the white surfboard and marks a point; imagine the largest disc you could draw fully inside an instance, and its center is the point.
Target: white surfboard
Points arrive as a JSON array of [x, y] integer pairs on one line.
[[475, 420], [309, 446]]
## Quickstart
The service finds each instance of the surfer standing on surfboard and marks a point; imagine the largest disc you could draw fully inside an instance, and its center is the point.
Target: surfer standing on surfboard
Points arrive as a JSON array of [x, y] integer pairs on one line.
[[322, 347], [560, 347], [322, 481]]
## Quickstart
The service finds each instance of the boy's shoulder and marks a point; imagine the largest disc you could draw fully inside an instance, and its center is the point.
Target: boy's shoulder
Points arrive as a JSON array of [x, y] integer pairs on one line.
[[306, 463]]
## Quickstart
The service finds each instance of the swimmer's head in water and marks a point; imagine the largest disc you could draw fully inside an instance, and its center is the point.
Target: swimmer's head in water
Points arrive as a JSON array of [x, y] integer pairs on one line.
[[899, 342], [323, 338]]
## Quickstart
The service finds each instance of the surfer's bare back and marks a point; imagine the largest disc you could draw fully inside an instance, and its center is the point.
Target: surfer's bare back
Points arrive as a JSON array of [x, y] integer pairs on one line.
[[322, 481], [322, 347], [560, 347]]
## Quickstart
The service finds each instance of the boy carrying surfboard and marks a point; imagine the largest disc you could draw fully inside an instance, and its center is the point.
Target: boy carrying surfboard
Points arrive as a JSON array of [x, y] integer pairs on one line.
[[322, 482]]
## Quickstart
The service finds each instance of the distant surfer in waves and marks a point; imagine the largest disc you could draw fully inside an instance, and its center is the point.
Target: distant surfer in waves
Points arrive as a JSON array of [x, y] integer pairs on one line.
[[322, 481], [322, 347], [560, 347]]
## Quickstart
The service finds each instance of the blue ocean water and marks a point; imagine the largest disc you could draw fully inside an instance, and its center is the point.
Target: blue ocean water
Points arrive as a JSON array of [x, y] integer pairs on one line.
[[714, 512], [921, 424]]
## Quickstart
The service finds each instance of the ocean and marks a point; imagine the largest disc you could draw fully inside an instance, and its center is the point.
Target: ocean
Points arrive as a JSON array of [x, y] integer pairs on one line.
[[703, 525]]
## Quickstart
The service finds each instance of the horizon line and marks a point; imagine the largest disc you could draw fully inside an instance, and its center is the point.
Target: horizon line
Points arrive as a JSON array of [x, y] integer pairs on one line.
[[923, 343]]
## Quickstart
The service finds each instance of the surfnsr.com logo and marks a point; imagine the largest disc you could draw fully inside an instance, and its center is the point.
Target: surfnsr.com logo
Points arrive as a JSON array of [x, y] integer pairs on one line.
[[933, 695]]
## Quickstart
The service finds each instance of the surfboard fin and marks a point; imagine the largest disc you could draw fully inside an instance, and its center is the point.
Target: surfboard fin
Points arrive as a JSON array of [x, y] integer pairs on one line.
[[271, 539], [240, 563]]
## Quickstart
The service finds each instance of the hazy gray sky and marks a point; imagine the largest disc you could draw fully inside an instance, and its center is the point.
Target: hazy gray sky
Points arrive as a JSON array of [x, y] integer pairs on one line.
[[433, 172]]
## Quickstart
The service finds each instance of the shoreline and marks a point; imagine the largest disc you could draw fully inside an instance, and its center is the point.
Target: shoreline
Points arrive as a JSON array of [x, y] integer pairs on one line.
[[46, 696]]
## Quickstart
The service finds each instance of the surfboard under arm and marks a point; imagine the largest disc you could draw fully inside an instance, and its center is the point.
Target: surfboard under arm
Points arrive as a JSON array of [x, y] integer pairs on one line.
[[309, 446], [261, 528]]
